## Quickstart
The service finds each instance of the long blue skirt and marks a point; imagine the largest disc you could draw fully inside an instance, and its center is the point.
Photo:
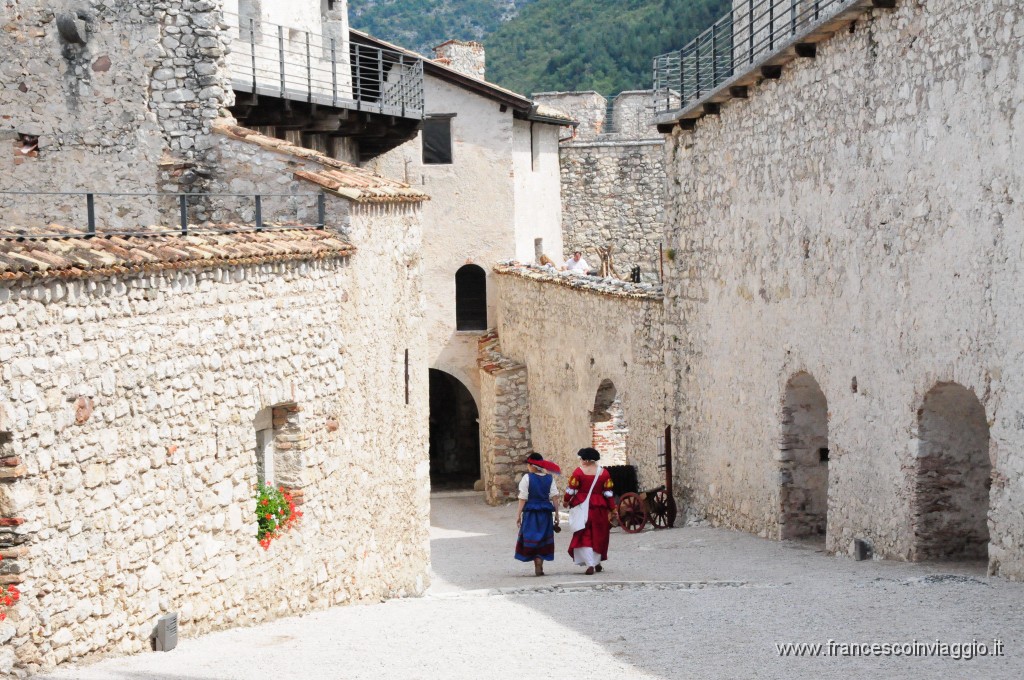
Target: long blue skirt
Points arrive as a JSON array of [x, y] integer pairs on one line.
[[536, 536]]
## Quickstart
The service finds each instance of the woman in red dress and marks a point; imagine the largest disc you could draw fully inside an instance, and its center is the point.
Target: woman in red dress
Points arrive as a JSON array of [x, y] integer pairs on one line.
[[589, 545]]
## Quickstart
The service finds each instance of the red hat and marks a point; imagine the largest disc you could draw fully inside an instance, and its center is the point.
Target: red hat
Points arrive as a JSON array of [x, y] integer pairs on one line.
[[538, 460]]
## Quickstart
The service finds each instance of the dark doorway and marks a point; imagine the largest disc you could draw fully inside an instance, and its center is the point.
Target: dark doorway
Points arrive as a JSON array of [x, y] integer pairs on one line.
[[803, 460], [951, 499], [470, 298], [454, 434]]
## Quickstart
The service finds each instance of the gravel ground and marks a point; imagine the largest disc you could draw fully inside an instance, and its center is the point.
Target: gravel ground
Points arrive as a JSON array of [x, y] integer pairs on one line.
[[680, 603]]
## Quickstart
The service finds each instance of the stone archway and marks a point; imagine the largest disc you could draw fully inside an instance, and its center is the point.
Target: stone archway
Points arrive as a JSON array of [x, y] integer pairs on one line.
[[952, 476], [803, 460], [454, 434], [608, 427]]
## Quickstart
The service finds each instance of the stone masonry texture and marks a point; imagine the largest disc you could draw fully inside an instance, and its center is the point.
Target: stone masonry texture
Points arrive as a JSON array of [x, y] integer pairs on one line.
[[145, 87], [601, 332], [613, 180], [859, 222], [142, 504]]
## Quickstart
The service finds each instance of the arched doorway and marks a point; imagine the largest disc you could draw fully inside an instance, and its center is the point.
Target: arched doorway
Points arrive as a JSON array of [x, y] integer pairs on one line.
[[470, 298], [803, 460], [454, 434], [953, 476], [609, 430]]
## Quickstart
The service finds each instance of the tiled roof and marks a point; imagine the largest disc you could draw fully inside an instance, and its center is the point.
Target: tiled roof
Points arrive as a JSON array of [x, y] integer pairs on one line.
[[56, 252], [344, 179], [591, 284], [441, 69]]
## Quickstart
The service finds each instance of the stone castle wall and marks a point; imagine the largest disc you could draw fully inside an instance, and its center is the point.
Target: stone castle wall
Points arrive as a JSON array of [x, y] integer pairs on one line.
[[855, 225], [613, 194], [603, 331], [613, 180], [132, 402], [129, 109]]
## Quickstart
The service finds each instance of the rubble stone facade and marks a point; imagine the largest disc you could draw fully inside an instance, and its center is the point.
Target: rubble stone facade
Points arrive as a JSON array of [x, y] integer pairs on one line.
[[613, 335], [854, 227], [131, 88], [613, 180]]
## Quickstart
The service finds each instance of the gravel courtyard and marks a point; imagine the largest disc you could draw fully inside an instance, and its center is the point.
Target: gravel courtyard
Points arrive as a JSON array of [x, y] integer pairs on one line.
[[679, 603]]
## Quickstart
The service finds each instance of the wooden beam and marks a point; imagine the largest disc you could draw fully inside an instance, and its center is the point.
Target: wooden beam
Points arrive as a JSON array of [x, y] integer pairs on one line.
[[738, 92], [806, 50], [712, 108], [666, 128], [771, 72]]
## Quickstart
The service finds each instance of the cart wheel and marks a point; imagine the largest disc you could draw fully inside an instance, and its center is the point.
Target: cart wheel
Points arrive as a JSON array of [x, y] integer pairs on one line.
[[632, 513], [663, 509]]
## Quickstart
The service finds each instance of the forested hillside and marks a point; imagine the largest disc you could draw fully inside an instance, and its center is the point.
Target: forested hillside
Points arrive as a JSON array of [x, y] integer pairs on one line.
[[420, 25], [603, 45], [539, 45]]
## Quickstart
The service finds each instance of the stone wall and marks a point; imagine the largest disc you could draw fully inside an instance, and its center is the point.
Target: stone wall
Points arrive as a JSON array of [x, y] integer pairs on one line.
[[613, 194], [144, 505], [603, 331], [504, 420], [130, 401], [857, 221], [128, 109], [613, 180]]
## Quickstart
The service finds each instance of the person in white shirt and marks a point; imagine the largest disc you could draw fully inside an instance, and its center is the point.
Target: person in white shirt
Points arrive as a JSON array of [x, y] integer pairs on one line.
[[576, 263]]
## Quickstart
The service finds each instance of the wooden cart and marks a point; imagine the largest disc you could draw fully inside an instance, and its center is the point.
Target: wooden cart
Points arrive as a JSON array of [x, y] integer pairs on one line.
[[633, 507]]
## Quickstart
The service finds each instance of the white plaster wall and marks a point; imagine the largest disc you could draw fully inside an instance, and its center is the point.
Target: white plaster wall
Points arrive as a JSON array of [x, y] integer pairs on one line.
[[538, 206], [470, 217], [859, 218]]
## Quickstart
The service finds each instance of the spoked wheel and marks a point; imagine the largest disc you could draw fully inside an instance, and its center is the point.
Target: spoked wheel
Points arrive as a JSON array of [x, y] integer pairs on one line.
[[632, 513], [663, 509]]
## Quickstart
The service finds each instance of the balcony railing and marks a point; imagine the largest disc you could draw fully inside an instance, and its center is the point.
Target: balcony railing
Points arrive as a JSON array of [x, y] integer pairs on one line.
[[753, 32], [277, 61], [82, 213]]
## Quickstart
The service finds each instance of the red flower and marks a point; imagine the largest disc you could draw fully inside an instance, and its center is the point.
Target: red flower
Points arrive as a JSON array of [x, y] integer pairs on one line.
[[268, 515], [264, 502]]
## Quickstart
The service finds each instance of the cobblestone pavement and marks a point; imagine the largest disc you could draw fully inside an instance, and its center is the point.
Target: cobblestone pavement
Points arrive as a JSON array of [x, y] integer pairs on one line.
[[679, 603]]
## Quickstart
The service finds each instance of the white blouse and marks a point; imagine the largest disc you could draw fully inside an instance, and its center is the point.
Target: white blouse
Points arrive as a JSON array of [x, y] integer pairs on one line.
[[524, 487]]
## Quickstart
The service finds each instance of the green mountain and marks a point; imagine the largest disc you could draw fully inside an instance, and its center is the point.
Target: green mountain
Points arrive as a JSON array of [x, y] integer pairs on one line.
[[603, 45], [420, 25], [542, 45]]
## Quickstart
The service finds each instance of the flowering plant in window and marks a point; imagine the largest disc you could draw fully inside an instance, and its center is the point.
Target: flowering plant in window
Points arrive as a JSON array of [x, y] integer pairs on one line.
[[275, 513], [8, 596]]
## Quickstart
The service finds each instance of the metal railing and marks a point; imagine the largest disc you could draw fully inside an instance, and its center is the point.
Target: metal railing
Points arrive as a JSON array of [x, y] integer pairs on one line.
[[277, 61], [735, 44], [82, 214]]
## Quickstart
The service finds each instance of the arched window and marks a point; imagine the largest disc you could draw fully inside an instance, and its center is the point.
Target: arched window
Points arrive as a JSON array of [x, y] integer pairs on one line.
[[470, 299]]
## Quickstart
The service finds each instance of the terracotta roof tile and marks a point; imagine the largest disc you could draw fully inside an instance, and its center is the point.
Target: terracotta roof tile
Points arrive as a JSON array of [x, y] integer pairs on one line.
[[347, 180], [45, 253]]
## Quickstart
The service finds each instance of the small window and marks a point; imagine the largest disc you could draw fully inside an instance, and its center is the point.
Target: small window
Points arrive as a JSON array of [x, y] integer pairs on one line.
[[470, 299], [437, 141]]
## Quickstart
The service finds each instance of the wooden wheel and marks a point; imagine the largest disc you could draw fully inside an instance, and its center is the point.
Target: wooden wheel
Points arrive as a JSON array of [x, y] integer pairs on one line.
[[663, 509], [632, 513]]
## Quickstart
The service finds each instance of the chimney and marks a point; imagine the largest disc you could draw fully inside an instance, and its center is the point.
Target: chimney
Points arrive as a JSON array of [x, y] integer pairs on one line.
[[464, 57]]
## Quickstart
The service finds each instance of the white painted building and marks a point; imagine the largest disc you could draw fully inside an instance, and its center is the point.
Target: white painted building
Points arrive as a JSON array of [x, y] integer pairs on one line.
[[488, 159]]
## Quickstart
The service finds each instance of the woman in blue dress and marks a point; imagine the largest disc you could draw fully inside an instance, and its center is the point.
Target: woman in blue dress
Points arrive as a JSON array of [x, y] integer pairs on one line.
[[536, 541]]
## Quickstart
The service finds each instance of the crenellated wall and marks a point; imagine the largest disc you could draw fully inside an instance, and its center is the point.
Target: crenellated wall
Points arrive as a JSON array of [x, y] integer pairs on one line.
[[856, 225]]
